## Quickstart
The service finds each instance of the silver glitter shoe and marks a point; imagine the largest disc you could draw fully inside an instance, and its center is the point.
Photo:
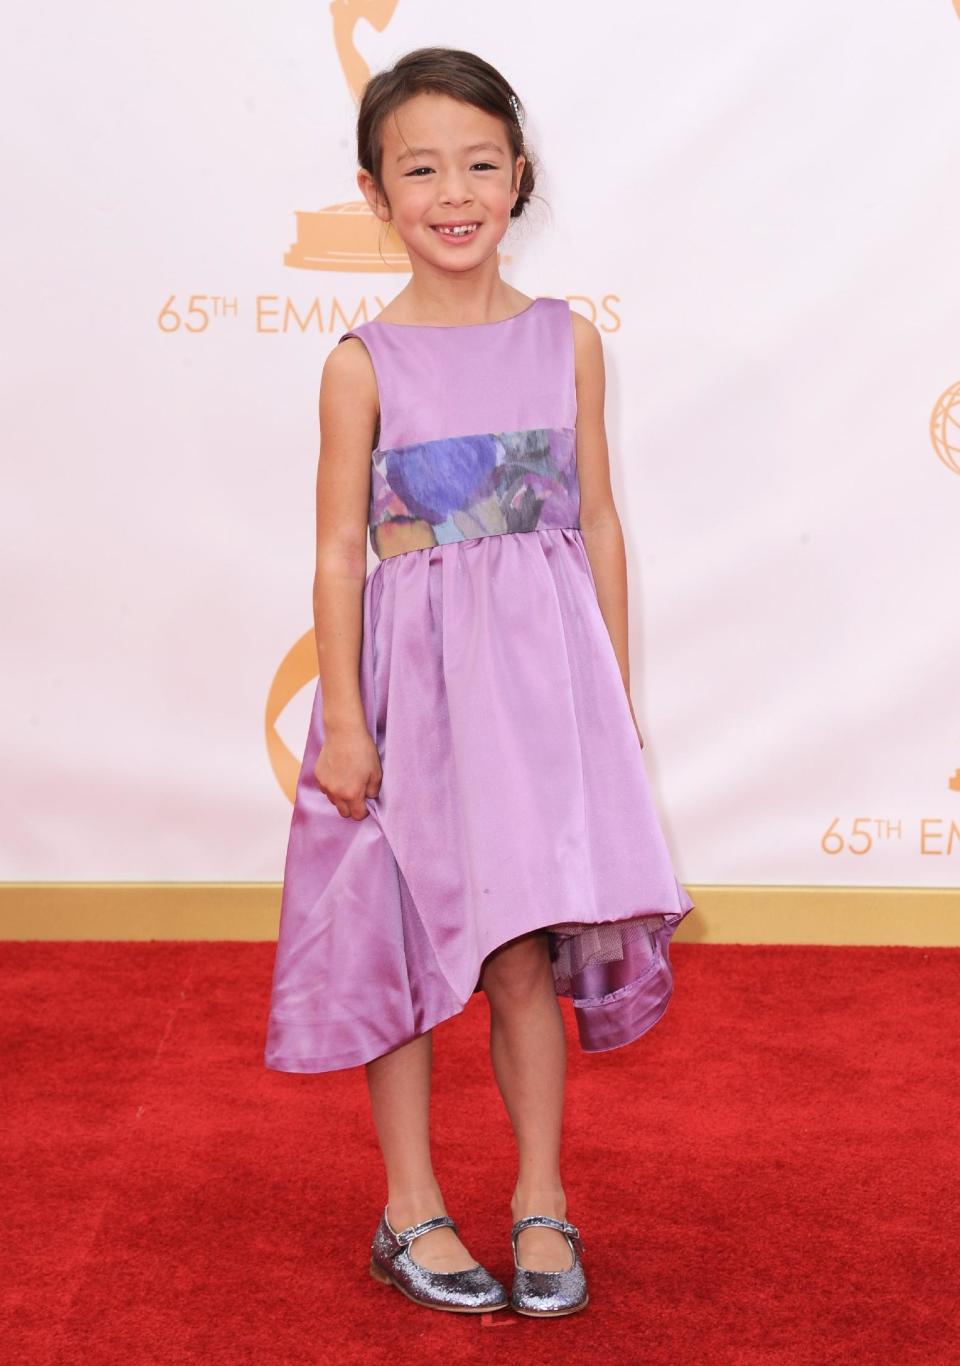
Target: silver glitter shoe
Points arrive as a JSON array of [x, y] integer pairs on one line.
[[549, 1293], [473, 1291]]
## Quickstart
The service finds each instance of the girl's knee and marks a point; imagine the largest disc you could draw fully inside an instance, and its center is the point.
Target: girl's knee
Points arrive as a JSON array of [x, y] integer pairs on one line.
[[516, 969]]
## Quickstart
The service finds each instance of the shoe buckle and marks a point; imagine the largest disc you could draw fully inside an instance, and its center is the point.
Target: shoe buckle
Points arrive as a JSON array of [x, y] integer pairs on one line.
[[573, 1233], [406, 1236]]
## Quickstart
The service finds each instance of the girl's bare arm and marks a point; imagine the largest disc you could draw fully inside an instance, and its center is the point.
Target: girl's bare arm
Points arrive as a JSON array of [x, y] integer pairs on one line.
[[599, 519], [348, 416]]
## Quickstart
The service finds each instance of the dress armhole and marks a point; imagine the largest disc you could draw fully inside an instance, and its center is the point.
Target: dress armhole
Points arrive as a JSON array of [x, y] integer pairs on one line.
[[571, 352], [376, 376]]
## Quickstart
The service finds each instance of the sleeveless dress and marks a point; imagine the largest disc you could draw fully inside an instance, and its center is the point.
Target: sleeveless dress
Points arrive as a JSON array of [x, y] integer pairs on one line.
[[514, 794]]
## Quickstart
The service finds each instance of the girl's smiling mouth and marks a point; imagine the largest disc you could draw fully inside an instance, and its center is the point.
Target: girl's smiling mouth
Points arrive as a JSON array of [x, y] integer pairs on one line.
[[456, 232]]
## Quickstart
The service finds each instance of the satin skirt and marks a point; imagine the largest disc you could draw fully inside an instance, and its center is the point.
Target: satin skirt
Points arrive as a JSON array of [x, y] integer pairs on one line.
[[514, 798]]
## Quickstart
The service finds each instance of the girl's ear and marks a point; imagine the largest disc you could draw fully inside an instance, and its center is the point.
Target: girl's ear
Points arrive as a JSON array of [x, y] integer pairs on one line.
[[520, 163], [370, 193]]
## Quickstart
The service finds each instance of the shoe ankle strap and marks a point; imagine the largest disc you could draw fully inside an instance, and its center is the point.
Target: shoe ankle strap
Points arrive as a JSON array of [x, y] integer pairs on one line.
[[561, 1225], [406, 1236]]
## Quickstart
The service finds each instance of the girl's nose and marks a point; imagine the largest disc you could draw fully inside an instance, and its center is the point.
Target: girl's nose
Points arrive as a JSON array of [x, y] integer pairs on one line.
[[454, 188]]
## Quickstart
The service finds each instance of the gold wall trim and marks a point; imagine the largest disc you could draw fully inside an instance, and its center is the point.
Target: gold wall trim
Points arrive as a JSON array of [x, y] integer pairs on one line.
[[927, 916]]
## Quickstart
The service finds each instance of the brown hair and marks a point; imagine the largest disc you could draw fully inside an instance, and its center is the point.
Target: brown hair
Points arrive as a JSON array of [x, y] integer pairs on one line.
[[443, 71]]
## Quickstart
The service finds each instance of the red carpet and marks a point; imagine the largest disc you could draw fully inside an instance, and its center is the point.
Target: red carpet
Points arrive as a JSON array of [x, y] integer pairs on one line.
[[769, 1176]]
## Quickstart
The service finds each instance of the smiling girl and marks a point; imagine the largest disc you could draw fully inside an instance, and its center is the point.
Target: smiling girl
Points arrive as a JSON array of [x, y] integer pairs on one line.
[[473, 811]]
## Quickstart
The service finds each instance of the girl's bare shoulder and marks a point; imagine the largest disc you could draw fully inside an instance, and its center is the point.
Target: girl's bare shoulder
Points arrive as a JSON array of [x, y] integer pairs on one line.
[[348, 361], [348, 376], [586, 334], [587, 352]]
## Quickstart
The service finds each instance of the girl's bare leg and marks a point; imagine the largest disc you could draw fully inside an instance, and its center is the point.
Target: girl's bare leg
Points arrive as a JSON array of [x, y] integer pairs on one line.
[[529, 1056], [399, 1087]]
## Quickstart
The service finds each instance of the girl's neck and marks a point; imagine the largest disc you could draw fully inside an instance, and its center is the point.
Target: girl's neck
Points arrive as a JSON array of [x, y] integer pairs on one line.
[[459, 305]]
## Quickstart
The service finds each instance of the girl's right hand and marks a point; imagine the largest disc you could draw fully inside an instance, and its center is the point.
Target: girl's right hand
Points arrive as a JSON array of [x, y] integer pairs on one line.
[[348, 770]]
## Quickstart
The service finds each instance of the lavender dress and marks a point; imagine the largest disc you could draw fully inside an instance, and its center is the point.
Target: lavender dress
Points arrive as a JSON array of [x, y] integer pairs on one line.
[[514, 793]]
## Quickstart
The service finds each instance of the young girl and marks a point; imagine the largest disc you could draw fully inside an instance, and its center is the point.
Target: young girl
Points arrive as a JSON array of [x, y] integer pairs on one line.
[[473, 811]]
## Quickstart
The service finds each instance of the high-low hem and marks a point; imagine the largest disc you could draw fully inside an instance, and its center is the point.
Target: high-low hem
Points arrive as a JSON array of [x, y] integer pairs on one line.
[[604, 1022]]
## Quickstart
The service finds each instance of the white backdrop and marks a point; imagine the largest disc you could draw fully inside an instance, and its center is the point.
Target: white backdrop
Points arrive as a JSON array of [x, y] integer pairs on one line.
[[758, 205]]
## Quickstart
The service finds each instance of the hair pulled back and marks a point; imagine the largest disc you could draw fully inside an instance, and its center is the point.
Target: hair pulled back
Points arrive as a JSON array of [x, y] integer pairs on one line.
[[440, 71]]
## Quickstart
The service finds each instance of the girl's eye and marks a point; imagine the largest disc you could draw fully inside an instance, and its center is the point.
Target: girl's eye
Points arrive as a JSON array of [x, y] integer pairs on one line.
[[485, 164]]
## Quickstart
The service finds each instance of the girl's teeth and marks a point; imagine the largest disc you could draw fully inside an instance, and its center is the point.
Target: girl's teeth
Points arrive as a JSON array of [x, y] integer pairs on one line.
[[457, 232]]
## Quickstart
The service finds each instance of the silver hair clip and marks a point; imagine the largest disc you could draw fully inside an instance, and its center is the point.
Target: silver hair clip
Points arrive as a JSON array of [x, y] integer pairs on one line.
[[516, 111]]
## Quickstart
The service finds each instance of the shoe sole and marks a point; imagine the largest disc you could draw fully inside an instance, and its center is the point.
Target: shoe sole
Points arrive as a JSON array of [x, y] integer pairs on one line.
[[550, 1313], [378, 1274]]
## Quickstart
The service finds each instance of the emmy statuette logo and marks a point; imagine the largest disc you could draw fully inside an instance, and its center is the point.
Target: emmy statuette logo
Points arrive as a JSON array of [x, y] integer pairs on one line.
[[348, 236]]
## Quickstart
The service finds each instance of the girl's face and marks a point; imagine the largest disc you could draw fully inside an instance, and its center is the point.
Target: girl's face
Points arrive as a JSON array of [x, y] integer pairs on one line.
[[444, 163]]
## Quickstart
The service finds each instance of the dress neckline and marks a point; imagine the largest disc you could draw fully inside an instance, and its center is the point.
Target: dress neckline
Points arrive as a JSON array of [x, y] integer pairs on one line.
[[459, 327]]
